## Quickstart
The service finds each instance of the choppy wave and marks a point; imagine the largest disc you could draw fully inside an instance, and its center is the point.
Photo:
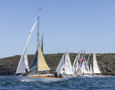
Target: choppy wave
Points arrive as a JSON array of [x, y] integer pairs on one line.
[[77, 83]]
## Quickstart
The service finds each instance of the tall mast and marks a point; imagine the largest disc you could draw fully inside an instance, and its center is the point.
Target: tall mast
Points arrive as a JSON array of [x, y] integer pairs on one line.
[[42, 44], [38, 40], [38, 28]]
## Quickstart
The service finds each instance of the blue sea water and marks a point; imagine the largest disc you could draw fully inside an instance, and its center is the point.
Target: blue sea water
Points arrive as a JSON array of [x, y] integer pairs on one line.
[[76, 83]]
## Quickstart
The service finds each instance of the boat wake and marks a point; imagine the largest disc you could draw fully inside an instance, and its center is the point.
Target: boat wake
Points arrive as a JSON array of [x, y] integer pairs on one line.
[[47, 80], [91, 76]]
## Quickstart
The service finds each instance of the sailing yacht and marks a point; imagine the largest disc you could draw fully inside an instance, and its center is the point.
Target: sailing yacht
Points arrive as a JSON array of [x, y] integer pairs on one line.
[[39, 67], [86, 69], [64, 67], [81, 66], [96, 70]]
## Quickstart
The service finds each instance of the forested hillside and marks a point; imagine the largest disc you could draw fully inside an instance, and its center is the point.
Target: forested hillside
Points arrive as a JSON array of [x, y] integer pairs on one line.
[[106, 62]]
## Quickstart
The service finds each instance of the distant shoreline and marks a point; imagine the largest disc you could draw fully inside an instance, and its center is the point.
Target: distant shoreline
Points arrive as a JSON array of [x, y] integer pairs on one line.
[[106, 62]]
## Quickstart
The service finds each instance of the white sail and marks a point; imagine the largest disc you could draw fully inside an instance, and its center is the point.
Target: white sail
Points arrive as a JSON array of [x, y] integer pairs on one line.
[[76, 68], [90, 70], [68, 66], [62, 71], [82, 68], [87, 62], [60, 66], [75, 64], [64, 66], [23, 63], [95, 65], [75, 61]]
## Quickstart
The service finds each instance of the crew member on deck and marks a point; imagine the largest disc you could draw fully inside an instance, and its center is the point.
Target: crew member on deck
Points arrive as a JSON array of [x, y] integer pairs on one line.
[[55, 73], [26, 70]]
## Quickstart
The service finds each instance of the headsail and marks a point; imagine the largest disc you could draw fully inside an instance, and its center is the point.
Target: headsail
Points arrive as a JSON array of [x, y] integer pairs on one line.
[[60, 66], [39, 63], [87, 63], [64, 66], [91, 71], [68, 66], [23, 63], [75, 64], [95, 65]]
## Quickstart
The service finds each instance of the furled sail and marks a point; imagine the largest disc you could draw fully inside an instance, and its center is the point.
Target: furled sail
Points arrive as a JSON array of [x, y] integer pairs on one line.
[[95, 65]]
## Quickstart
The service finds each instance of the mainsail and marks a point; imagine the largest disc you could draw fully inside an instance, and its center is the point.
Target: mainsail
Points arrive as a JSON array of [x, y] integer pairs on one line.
[[39, 63], [23, 63], [95, 65], [42, 65]]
